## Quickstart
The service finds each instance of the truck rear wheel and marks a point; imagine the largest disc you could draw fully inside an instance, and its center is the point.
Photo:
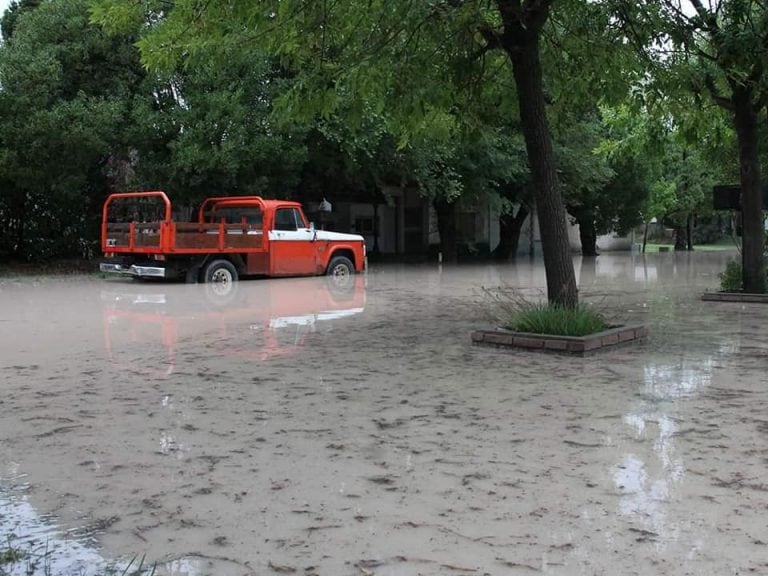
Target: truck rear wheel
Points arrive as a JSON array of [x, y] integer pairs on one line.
[[222, 274]]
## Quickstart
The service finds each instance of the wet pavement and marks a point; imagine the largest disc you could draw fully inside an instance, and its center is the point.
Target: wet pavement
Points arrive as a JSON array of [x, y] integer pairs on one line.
[[300, 427]]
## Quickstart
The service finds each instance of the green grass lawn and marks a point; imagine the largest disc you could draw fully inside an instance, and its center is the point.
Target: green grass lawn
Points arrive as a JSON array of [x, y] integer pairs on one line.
[[722, 246]]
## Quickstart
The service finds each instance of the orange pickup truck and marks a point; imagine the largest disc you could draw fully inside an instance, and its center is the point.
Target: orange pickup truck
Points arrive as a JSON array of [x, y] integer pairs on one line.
[[232, 236]]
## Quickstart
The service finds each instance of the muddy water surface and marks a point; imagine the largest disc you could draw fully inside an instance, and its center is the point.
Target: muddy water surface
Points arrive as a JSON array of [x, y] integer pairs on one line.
[[293, 427]]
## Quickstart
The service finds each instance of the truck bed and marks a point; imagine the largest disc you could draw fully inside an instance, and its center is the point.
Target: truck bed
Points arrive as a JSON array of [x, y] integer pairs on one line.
[[181, 237]]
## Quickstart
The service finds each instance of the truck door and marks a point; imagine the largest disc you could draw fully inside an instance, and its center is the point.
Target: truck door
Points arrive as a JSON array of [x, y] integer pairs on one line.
[[292, 249]]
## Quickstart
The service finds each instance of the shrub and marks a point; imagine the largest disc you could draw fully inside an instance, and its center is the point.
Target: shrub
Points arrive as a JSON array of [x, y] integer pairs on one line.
[[556, 320], [730, 278]]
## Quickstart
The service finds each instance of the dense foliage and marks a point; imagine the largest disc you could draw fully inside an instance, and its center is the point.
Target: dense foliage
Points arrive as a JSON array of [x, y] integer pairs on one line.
[[713, 52], [520, 106], [64, 99]]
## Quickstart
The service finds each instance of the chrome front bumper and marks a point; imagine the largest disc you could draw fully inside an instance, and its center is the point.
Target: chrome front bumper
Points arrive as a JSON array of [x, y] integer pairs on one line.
[[138, 271]]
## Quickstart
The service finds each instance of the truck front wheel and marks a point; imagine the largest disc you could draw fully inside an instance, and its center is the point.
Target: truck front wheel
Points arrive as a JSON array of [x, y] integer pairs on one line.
[[221, 272], [341, 266]]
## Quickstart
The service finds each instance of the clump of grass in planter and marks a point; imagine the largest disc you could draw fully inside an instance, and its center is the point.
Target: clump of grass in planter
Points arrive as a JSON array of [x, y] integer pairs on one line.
[[517, 311], [556, 320]]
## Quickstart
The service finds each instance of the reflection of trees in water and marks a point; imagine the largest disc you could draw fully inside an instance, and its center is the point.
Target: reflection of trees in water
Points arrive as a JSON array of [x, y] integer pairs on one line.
[[587, 271], [618, 270], [672, 381], [687, 267], [646, 485], [680, 268], [619, 266]]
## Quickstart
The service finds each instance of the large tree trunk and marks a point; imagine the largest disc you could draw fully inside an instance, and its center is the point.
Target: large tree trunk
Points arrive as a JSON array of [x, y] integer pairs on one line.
[[679, 237], [587, 232], [375, 251], [645, 236], [510, 227], [753, 264], [689, 232], [522, 28], [446, 227]]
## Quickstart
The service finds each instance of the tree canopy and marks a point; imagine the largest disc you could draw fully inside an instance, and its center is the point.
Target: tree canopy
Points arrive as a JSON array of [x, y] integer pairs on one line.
[[62, 104], [715, 51], [425, 69], [607, 113]]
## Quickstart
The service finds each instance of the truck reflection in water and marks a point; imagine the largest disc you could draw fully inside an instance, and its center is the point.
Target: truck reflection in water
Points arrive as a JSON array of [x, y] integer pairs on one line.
[[250, 321]]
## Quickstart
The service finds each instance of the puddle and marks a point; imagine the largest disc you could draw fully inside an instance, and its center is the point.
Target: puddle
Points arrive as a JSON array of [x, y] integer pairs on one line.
[[34, 544], [289, 427]]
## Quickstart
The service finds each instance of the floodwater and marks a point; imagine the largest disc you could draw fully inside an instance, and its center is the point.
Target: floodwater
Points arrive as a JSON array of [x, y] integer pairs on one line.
[[298, 427]]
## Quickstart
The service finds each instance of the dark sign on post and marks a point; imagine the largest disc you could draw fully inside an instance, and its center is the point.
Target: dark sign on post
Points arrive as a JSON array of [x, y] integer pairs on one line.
[[728, 197]]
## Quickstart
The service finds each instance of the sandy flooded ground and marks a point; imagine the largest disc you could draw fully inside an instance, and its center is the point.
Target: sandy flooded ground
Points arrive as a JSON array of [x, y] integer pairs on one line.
[[299, 428]]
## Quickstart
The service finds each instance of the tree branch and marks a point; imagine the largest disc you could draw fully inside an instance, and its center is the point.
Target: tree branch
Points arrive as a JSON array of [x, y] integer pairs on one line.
[[492, 39], [762, 101], [756, 74], [704, 54], [708, 18], [718, 98], [535, 13], [634, 35], [681, 16], [511, 11]]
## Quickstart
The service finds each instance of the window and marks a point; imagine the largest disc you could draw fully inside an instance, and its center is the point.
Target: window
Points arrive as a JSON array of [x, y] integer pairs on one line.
[[249, 215], [466, 226], [287, 219], [364, 225]]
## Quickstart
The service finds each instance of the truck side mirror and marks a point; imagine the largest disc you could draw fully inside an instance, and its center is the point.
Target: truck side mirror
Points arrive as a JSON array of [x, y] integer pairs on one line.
[[313, 230]]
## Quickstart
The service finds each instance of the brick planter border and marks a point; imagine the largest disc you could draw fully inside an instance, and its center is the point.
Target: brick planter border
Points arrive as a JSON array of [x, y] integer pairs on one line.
[[577, 345], [735, 297]]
